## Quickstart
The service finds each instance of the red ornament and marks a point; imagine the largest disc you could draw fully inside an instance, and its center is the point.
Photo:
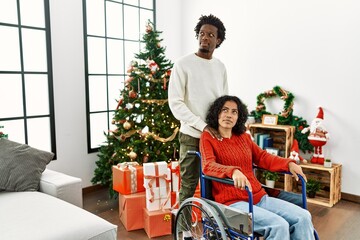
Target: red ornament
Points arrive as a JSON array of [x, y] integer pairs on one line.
[[119, 103], [153, 66], [132, 94]]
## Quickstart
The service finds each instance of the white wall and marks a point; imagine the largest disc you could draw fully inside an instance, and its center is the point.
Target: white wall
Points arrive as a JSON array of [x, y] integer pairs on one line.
[[310, 48], [69, 91]]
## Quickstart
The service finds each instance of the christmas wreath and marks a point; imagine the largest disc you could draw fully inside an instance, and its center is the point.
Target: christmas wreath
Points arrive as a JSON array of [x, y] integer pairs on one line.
[[285, 117]]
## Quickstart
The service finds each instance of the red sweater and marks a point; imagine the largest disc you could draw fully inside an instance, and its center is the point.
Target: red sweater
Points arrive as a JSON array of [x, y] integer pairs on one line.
[[221, 158]]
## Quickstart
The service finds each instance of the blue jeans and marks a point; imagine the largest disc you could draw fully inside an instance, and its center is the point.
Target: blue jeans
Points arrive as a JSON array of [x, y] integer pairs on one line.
[[276, 219], [291, 197]]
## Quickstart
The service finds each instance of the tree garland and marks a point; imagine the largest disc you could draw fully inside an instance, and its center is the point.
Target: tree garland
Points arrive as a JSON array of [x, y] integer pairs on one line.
[[285, 117]]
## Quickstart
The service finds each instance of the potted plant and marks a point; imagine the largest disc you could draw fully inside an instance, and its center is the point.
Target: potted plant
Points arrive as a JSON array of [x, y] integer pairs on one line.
[[312, 186], [2, 134], [270, 178], [327, 163]]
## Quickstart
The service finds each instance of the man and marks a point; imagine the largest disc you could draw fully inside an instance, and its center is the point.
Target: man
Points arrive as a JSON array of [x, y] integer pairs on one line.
[[196, 81]]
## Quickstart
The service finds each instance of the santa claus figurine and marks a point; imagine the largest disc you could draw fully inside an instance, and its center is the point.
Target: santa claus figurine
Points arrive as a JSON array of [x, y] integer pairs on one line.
[[295, 155], [318, 137]]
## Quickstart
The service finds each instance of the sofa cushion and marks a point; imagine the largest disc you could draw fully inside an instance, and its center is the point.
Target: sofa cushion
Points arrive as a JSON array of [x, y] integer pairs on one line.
[[36, 215], [21, 166]]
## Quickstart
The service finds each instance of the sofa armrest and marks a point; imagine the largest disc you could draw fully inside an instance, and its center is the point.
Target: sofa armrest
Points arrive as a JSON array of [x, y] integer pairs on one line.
[[62, 186]]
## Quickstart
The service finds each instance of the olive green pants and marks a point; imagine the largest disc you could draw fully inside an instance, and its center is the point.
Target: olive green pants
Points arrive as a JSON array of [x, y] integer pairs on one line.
[[189, 166], [189, 172]]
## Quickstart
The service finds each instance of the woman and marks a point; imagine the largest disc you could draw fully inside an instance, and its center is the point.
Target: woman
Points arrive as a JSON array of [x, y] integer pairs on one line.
[[233, 157]]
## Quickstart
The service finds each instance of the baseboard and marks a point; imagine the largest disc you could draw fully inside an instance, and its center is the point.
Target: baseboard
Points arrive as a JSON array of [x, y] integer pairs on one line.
[[93, 188], [350, 197]]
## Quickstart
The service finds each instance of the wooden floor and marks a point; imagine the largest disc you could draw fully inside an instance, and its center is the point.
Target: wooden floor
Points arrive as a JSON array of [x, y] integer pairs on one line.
[[342, 221]]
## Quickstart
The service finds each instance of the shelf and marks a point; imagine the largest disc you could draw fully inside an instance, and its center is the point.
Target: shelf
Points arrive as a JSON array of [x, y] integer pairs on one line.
[[330, 179], [282, 135]]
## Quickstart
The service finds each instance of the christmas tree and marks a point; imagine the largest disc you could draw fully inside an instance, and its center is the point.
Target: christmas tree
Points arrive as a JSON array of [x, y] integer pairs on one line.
[[144, 128]]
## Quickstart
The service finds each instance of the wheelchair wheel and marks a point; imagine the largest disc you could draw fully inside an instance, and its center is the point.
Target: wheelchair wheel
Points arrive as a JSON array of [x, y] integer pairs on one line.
[[200, 219]]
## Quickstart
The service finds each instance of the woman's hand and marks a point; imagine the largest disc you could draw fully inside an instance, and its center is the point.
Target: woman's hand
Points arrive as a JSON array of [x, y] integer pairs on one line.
[[240, 180], [295, 170]]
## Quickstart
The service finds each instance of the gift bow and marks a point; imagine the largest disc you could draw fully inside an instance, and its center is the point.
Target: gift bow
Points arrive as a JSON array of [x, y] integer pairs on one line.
[[167, 217], [176, 170], [157, 178], [124, 165]]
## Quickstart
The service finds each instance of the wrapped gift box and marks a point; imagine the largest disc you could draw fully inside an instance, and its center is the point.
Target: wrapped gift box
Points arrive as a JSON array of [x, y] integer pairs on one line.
[[175, 176], [157, 184], [175, 200], [128, 178], [131, 210], [157, 223]]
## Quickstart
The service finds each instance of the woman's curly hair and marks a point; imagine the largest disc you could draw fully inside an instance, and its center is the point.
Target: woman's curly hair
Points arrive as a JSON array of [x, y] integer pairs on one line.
[[212, 117], [216, 22]]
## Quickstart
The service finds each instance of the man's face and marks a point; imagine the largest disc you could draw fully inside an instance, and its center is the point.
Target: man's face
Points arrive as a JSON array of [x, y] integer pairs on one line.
[[208, 38]]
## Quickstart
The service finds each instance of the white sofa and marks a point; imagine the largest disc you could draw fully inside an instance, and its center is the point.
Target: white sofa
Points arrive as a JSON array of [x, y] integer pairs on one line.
[[52, 213]]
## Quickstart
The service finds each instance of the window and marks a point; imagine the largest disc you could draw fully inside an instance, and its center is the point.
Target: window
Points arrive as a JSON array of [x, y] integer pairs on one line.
[[113, 33], [26, 87]]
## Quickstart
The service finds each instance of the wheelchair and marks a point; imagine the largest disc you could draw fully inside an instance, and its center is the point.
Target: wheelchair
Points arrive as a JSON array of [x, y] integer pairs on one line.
[[211, 220]]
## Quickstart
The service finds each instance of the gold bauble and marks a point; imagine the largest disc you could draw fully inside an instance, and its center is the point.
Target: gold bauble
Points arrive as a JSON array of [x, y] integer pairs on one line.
[[127, 125], [132, 155]]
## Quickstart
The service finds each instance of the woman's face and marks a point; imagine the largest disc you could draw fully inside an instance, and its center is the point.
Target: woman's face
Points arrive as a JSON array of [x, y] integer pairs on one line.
[[228, 115]]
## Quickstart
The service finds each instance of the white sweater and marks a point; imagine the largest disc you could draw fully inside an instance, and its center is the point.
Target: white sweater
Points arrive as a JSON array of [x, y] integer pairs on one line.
[[194, 84]]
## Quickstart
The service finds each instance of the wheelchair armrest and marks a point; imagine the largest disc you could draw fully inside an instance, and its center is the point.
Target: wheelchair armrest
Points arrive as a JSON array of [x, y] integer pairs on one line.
[[303, 186], [231, 182]]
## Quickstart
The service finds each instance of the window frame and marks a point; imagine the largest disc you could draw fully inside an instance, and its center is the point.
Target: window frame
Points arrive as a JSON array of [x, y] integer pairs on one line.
[[49, 73], [110, 107]]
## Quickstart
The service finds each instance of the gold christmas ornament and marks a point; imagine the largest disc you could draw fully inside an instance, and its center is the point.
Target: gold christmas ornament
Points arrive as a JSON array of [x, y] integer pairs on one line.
[[127, 125], [132, 155]]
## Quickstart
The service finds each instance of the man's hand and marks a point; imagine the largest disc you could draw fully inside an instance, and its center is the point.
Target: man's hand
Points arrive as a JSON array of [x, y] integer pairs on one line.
[[213, 132], [240, 180], [295, 170]]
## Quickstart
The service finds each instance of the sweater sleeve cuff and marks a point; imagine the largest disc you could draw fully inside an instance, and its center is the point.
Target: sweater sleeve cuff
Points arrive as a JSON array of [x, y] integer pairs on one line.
[[200, 125], [229, 172]]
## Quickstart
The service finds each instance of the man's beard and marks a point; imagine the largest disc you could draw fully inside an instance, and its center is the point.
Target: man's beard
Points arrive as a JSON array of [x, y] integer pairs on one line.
[[203, 50]]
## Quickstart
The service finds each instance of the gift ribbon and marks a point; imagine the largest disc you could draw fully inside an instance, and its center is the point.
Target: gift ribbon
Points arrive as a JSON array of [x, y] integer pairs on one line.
[[176, 204], [176, 170], [168, 198], [133, 178], [124, 165]]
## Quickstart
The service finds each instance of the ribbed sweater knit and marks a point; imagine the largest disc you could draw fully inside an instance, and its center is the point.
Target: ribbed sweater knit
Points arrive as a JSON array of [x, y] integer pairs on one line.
[[221, 158]]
